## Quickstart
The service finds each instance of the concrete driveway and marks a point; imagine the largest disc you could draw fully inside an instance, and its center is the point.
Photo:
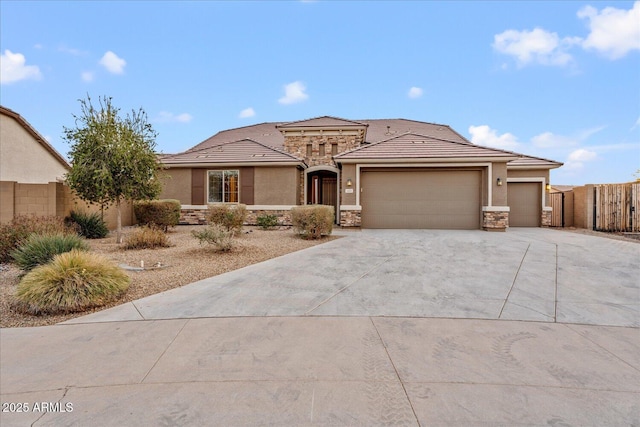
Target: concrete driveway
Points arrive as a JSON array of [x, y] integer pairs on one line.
[[487, 329], [523, 274]]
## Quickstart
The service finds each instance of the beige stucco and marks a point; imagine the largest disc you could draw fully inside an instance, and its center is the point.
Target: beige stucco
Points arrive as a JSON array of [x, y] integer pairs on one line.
[[499, 192], [276, 185], [24, 159], [176, 184], [348, 172]]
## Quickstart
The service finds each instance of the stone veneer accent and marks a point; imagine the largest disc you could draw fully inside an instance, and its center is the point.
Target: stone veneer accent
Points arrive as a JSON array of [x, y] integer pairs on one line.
[[197, 216], [350, 218], [546, 217], [297, 145], [495, 220]]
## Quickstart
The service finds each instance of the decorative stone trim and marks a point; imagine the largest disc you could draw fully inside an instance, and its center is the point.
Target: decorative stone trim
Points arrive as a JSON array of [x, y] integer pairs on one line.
[[350, 218], [493, 220], [546, 217], [197, 214]]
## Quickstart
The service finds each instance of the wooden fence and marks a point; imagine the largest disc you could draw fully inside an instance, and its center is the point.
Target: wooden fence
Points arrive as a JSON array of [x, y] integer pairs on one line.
[[562, 205], [616, 207]]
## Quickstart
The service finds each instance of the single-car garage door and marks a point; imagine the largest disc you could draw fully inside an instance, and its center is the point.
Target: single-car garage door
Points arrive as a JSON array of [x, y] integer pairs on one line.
[[525, 200], [432, 199]]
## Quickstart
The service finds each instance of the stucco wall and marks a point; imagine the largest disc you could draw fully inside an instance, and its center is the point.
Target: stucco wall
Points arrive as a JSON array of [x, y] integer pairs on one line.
[[276, 185], [176, 184], [499, 192], [348, 172], [23, 159]]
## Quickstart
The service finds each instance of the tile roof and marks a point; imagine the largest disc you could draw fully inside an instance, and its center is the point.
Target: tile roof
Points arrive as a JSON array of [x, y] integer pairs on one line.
[[415, 146], [234, 152], [525, 161]]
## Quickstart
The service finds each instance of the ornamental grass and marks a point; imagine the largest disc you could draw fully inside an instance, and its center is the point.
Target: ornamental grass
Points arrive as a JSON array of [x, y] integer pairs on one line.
[[72, 281]]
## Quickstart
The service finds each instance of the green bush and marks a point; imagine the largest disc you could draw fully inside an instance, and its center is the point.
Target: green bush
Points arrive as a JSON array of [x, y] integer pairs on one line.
[[160, 213], [89, 225], [267, 221], [215, 235], [39, 249], [229, 216], [72, 281], [313, 221], [147, 237], [15, 232]]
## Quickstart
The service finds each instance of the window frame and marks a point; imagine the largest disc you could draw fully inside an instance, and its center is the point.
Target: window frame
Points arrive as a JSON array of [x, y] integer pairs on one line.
[[224, 183]]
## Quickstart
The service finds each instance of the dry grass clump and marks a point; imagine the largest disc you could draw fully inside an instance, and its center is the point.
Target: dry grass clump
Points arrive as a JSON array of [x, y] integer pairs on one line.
[[22, 226], [147, 238], [72, 281], [39, 249]]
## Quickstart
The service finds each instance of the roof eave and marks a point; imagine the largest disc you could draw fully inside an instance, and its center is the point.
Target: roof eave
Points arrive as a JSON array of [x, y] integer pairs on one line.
[[424, 159], [534, 166], [230, 164]]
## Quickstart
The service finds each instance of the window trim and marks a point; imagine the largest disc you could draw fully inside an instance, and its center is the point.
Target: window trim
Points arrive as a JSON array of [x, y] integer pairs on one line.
[[223, 171]]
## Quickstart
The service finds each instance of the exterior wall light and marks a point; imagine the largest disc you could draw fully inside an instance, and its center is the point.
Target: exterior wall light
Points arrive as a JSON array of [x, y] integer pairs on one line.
[[499, 182], [548, 187], [349, 182]]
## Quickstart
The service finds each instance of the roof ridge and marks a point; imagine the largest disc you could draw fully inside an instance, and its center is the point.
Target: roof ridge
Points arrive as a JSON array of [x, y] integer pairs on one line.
[[321, 117]]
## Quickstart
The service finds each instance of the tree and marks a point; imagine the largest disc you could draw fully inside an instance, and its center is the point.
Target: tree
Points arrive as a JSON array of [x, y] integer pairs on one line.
[[112, 157]]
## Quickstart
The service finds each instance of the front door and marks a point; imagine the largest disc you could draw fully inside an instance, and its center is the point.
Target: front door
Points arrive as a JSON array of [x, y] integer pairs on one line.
[[322, 189]]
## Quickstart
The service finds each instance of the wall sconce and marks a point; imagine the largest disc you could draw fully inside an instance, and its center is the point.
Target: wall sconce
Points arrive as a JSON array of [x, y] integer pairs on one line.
[[499, 182], [349, 182], [548, 187]]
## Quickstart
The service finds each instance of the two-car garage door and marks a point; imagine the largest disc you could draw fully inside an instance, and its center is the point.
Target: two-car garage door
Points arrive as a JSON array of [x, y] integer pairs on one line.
[[432, 199]]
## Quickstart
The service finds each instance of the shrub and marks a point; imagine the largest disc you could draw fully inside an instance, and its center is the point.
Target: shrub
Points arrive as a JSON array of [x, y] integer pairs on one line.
[[229, 216], [146, 238], [215, 235], [160, 213], [39, 249], [312, 221], [89, 225], [72, 281], [267, 221], [15, 232]]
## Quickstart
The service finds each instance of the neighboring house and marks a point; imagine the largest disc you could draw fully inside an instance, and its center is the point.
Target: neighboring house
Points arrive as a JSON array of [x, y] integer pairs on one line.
[[385, 173], [31, 170]]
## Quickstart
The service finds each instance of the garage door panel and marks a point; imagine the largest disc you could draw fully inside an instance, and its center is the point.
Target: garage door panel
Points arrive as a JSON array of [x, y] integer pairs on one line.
[[525, 199], [421, 199]]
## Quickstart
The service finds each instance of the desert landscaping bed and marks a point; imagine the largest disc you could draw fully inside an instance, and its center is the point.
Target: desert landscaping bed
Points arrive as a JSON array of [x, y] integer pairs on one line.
[[186, 261]]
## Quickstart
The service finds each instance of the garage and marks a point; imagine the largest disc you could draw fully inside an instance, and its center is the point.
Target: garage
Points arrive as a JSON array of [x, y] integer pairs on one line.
[[421, 199], [524, 200]]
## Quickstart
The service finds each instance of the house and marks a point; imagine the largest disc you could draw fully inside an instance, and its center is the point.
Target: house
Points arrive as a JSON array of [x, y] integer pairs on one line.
[[31, 170], [383, 173], [32, 175]]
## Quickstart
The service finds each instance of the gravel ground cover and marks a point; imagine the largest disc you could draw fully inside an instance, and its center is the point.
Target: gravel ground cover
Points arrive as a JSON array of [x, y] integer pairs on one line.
[[186, 261]]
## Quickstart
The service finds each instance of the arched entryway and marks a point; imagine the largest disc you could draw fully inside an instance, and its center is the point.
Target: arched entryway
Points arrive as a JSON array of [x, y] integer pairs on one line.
[[321, 187]]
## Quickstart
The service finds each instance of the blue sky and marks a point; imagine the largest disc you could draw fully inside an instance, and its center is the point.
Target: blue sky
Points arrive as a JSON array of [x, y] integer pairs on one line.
[[558, 80]]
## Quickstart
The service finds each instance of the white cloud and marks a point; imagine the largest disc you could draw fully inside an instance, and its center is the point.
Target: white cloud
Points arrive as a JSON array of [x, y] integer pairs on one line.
[[415, 92], [636, 124], [484, 135], [247, 112], [293, 93], [551, 140], [578, 158], [13, 68], [71, 51], [613, 32], [87, 76], [535, 46], [167, 117], [113, 63]]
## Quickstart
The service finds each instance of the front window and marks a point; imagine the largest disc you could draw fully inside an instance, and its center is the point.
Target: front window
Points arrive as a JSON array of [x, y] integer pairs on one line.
[[223, 186]]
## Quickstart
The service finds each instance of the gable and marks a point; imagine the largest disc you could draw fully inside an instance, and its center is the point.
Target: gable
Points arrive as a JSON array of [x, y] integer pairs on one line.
[[20, 141], [321, 122]]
